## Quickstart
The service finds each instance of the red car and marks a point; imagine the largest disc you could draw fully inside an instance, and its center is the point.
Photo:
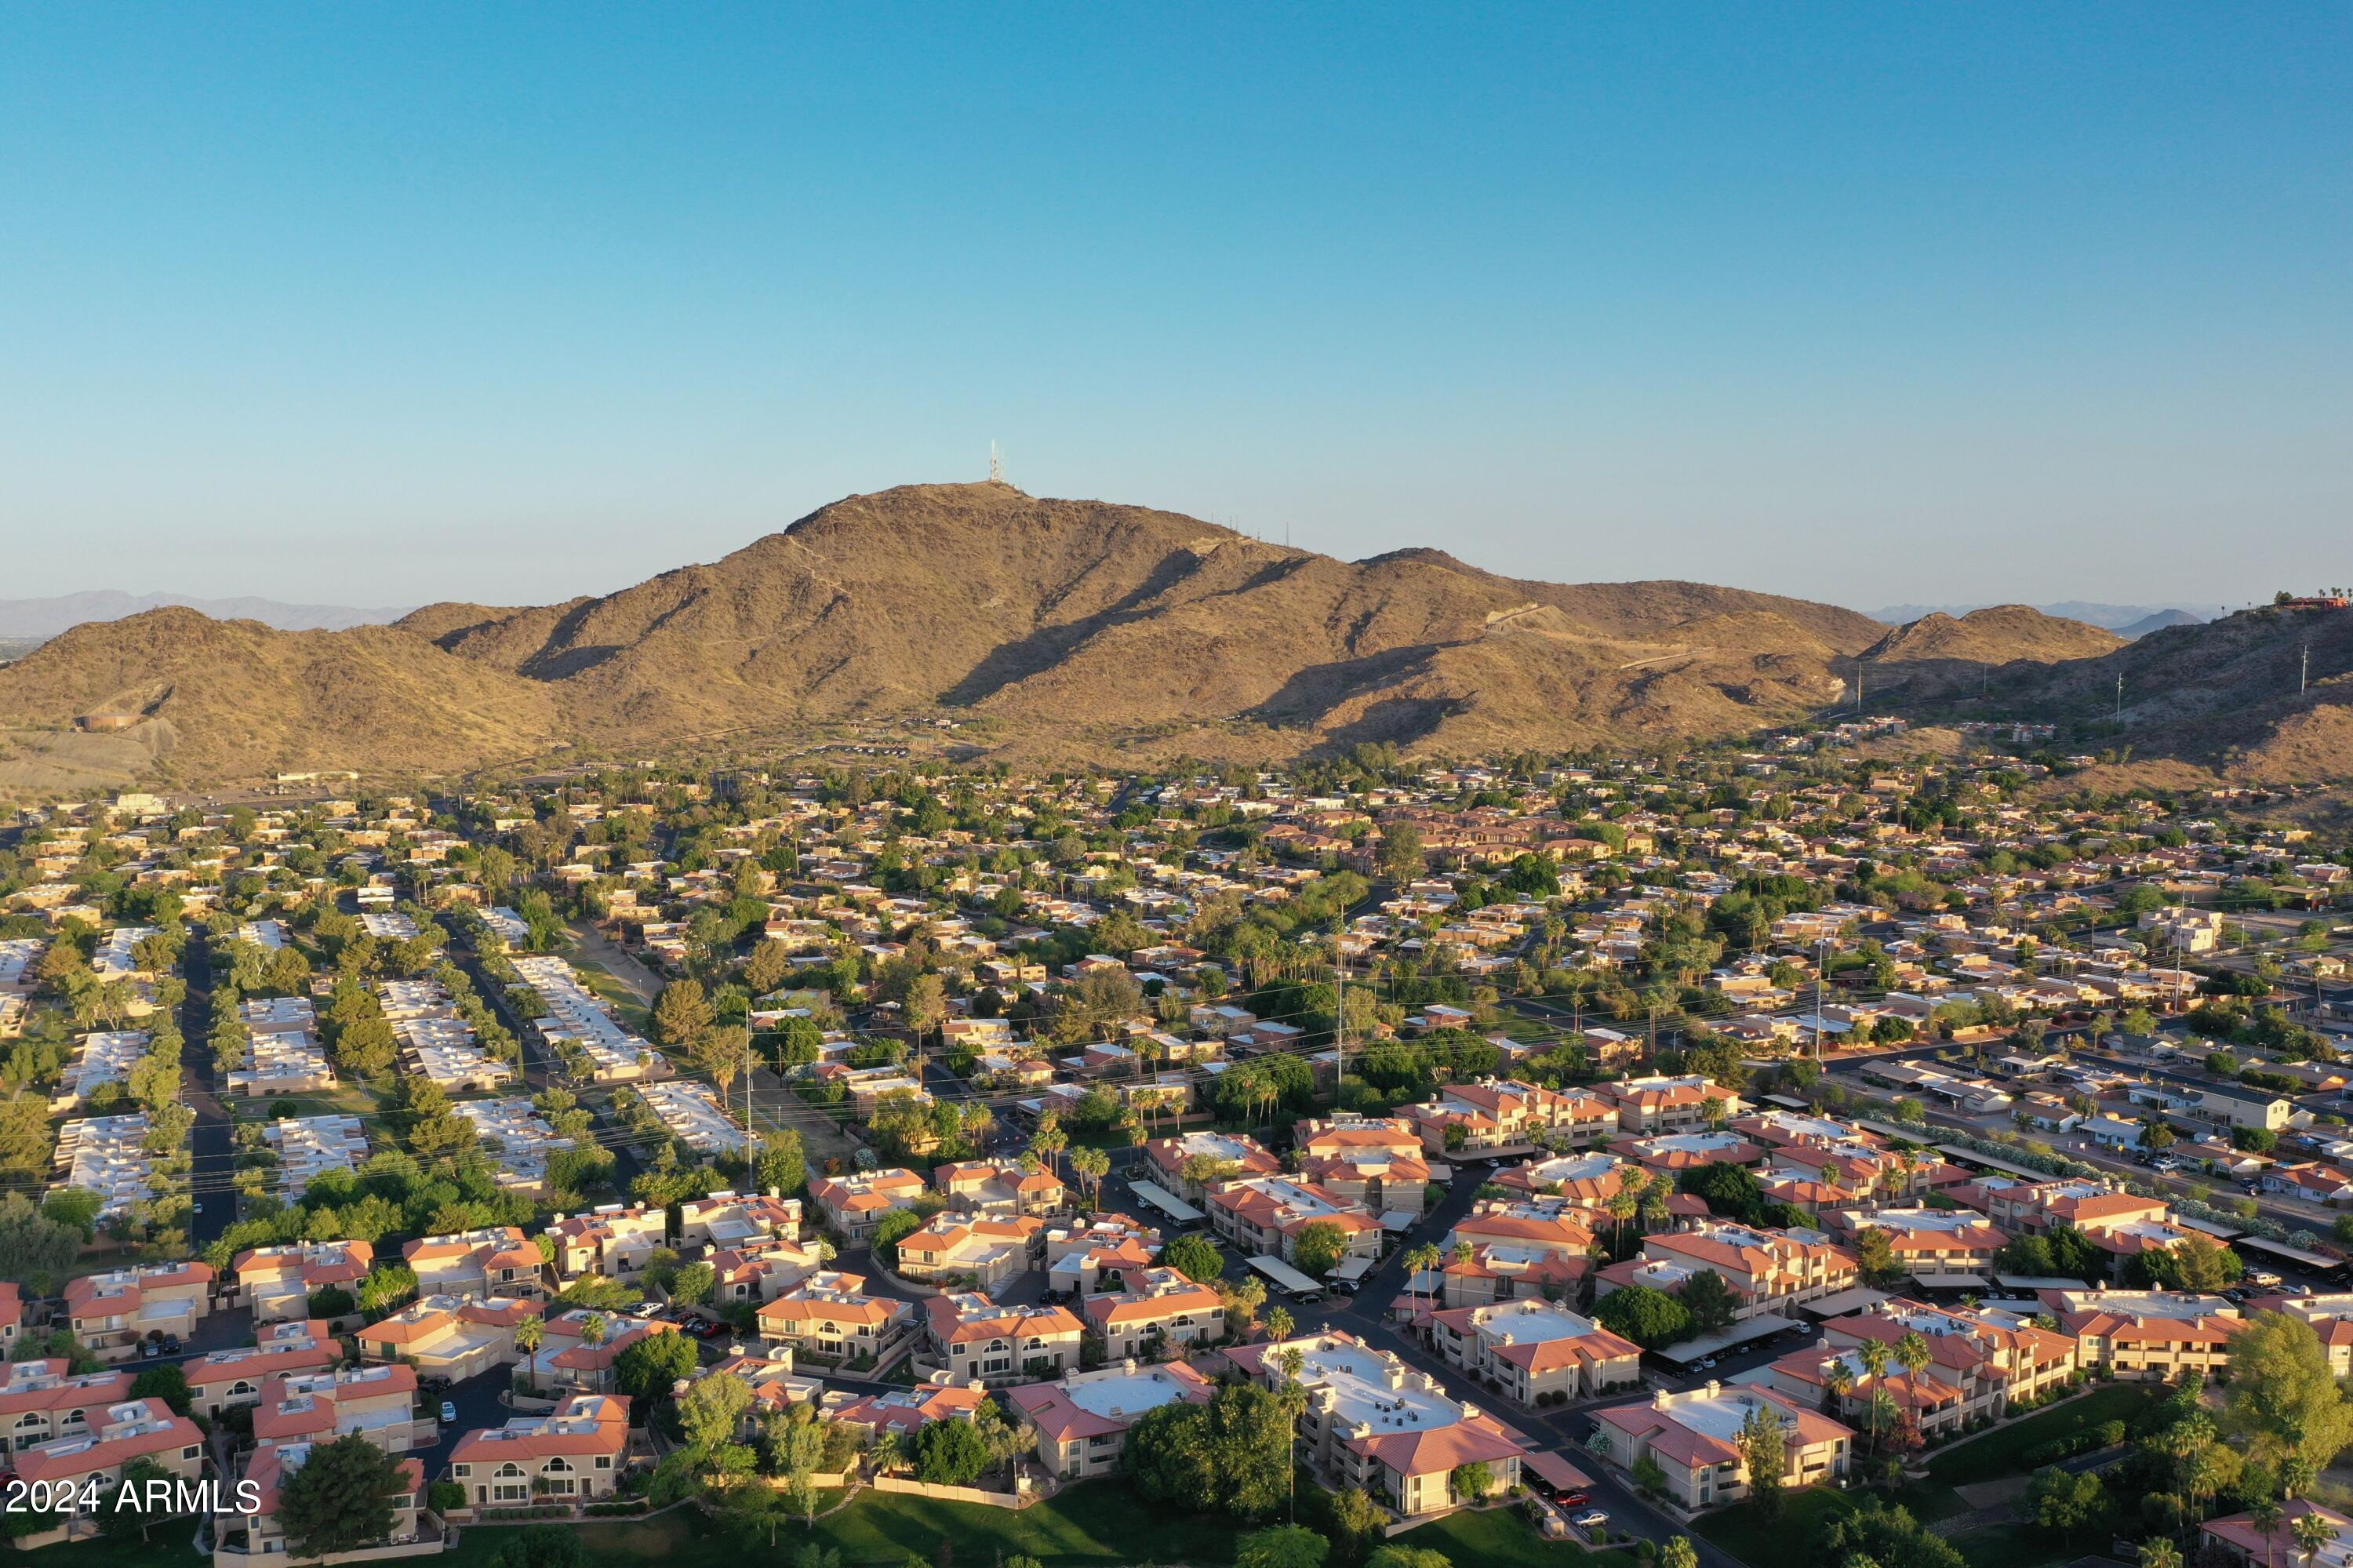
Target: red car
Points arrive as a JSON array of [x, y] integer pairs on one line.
[[1572, 1497]]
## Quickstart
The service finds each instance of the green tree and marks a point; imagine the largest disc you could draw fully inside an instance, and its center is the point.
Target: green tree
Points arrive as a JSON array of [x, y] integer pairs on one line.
[[1651, 1318], [1471, 1481], [1318, 1247], [1399, 855], [950, 1454], [2282, 1396], [1708, 1302], [710, 1412], [341, 1498], [682, 1012], [693, 1283], [1196, 1258], [1875, 1258], [1284, 1546], [35, 1251], [1231, 1455], [891, 1229], [1764, 1444], [2061, 1500], [166, 1381], [782, 1164], [650, 1367]]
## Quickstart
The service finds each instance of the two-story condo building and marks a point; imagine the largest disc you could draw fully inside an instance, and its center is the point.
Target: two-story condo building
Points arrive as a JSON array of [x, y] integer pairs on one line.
[[1536, 1349], [971, 1337], [1157, 1309], [572, 1452], [853, 1205], [1082, 1417], [1694, 1438], [1373, 1422], [277, 1282], [829, 1318], [497, 1260]]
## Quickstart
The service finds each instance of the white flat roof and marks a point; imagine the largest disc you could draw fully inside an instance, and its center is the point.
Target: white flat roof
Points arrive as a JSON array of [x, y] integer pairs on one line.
[[1358, 1380], [1129, 1394]]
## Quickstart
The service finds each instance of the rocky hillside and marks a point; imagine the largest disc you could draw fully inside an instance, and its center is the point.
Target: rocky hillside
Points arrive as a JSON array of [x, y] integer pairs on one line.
[[1078, 628]]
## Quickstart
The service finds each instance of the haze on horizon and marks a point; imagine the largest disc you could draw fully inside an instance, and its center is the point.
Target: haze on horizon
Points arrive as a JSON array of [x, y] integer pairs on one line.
[[1869, 306]]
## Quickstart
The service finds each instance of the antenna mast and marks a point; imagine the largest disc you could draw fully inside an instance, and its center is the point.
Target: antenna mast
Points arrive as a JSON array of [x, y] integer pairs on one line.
[[996, 464]]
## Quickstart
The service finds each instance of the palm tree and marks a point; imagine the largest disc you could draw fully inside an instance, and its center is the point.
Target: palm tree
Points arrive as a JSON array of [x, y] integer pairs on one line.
[[1420, 1261], [1278, 1325], [2266, 1518], [2295, 1475], [1623, 1206], [1873, 1356], [1091, 1166], [2158, 1552], [1292, 1361], [1049, 1139], [1912, 1354], [2312, 1532], [1837, 1383], [592, 1328], [527, 1337]]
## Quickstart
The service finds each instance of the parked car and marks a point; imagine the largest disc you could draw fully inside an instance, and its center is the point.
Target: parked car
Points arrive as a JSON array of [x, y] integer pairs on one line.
[[645, 1309], [171, 1344], [448, 1413], [1594, 1521], [149, 1350], [1572, 1497]]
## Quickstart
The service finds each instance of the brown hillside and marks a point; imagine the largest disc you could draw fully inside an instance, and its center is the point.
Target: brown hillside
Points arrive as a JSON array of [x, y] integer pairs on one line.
[[1065, 624], [1998, 634], [243, 700]]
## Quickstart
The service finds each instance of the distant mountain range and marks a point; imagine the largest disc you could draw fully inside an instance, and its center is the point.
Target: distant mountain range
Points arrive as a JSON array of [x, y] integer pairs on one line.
[[972, 619], [2126, 620], [28, 619]]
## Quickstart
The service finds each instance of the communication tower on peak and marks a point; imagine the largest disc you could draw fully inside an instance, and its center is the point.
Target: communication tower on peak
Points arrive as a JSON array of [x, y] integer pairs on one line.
[[996, 464]]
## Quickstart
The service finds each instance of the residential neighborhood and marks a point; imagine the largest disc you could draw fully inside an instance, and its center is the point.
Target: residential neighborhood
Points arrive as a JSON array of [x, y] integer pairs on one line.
[[1578, 1132]]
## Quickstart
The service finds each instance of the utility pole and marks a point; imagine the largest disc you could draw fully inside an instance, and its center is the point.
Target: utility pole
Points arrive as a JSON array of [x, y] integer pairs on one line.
[[1821, 961], [2120, 699], [2304, 677], [1340, 1009]]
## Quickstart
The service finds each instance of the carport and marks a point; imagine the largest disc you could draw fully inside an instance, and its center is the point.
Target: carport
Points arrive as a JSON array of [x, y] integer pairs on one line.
[[1555, 1472], [1754, 1328]]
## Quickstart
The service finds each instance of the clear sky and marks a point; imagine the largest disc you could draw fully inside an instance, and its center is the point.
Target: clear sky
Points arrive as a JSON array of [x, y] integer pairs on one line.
[[377, 303]]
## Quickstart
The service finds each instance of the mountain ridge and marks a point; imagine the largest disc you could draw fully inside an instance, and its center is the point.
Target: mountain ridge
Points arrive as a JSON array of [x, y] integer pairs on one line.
[[46, 618], [1038, 628]]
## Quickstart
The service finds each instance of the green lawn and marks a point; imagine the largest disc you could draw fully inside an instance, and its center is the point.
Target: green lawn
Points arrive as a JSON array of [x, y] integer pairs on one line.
[[1997, 1453], [1495, 1538], [1089, 1526], [1775, 1544]]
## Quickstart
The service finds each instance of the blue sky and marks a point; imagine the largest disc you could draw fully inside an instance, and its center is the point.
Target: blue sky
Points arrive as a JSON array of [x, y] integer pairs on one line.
[[1873, 303]]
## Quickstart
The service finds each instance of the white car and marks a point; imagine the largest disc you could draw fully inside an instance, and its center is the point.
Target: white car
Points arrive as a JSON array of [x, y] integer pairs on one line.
[[1594, 1521]]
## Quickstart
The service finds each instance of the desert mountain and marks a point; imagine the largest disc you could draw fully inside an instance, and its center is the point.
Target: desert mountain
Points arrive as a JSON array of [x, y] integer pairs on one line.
[[1050, 626], [232, 700], [2265, 694], [2156, 620]]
